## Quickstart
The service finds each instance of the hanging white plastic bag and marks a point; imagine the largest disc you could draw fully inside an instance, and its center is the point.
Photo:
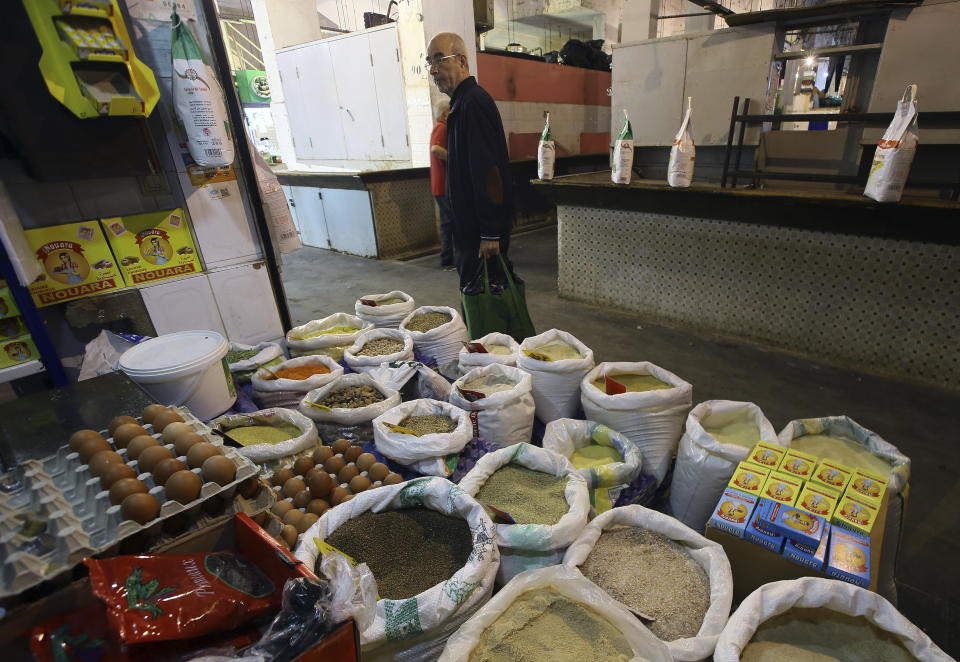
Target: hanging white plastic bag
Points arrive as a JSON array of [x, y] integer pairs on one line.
[[347, 415], [705, 463], [683, 152], [363, 363], [895, 151], [396, 375], [505, 414], [269, 391], [777, 598], [434, 454], [370, 308], [546, 153], [314, 337], [622, 166], [269, 456], [556, 384], [441, 343], [469, 360], [198, 101]]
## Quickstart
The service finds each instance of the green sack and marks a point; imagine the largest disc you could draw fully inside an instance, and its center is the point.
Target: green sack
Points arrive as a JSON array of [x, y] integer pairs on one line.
[[505, 312]]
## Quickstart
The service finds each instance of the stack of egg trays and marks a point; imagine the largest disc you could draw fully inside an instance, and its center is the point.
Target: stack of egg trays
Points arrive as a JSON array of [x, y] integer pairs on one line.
[[80, 518]]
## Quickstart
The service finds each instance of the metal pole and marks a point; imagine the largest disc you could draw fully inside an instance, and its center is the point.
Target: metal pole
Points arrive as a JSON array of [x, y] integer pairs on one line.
[[743, 128], [726, 152]]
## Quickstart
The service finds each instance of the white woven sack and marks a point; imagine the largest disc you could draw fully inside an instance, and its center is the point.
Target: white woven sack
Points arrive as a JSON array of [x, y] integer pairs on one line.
[[470, 360], [442, 343], [420, 619], [297, 345], [367, 363], [777, 598], [427, 454], [385, 317], [704, 464], [569, 583], [265, 453], [345, 415], [650, 419], [504, 418], [268, 354], [270, 392], [556, 384], [708, 554], [529, 546], [428, 383]]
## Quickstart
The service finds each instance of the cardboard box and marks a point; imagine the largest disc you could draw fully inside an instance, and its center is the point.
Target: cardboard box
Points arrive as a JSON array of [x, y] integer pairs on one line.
[[855, 514], [758, 532], [8, 307], [733, 511], [849, 558], [766, 455], [832, 474], [782, 487], [76, 260], [801, 465], [12, 327], [819, 500], [797, 524], [867, 486], [813, 558], [151, 247], [749, 478], [17, 350]]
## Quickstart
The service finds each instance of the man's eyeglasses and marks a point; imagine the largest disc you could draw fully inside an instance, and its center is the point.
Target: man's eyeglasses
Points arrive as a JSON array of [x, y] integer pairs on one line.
[[436, 60]]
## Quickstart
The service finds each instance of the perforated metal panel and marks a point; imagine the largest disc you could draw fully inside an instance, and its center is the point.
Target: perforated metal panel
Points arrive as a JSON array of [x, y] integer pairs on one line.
[[887, 306], [403, 211]]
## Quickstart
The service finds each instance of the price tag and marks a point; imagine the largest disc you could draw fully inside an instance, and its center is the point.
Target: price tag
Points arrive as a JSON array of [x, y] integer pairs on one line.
[[613, 386], [368, 302], [475, 348], [399, 429]]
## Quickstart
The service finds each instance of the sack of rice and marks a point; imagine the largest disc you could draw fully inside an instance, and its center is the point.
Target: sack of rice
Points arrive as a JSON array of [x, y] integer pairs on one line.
[[384, 311], [284, 384], [328, 336], [553, 614], [656, 566], [643, 401], [544, 496], [424, 435], [375, 347], [499, 401], [244, 360], [348, 400], [719, 434], [556, 361], [842, 440], [438, 333], [432, 552], [269, 437], [814, 618], [500, 348], [606, 459]]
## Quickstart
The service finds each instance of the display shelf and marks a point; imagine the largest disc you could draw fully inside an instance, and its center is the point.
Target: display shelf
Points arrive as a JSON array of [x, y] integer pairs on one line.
[[10, 373]]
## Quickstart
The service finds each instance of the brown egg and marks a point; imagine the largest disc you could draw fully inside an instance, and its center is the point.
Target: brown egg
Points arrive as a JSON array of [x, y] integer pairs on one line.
[[81, 436], [292, 516], [302, 465], [91, 446], [140, 507], [198, 454], [126, 432], [281, 476], [185, 442], [322, 454], [150, 412], [292, 486], [365, 461], [318, 507], [320, 485], [347, 498], [392, 479], [101, 459], [378, 471], [117, 421], [341, 446], [165, 418], [183, 486], [301, 499], [334, 464], [139, 444], [337, 495], [219, 469], [150, 455], [163, 469], [115, 472], [308, 476], [280, 508], [352, 453], [306, 522], [248, 489], [124, 488], [347, 473], [289, 535], [359, 484]]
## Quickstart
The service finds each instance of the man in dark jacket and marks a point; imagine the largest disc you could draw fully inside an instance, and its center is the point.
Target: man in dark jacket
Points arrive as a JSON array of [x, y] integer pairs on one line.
[[478, 170]]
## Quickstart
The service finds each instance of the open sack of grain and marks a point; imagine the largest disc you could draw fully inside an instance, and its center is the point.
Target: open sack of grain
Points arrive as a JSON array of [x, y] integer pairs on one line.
[[656, 566], [545, 496], [814, 618], [438, 333], [270, 437], [244, 360], [718, 435], [384, 311], [842, 440], [606, 459], [413, 379], [433, 554], [424, 435], [284, 384], [650, 410], [349, 400], [328, 336], [557, 361], [556, 614], [504, 415], [500, 347], [375, 347]]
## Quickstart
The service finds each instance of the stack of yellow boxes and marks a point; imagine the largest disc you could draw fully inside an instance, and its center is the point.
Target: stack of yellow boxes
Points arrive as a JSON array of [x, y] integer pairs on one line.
[[16, 344]]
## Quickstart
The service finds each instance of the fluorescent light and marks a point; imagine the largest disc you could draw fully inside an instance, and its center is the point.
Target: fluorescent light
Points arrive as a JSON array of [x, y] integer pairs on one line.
[[810, 60]]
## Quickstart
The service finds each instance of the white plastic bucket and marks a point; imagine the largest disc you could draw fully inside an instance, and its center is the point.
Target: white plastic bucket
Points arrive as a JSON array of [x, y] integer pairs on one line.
[[186, 368]]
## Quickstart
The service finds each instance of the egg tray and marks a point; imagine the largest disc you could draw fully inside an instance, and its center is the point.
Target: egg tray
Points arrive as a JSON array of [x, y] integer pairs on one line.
[[81, 521]]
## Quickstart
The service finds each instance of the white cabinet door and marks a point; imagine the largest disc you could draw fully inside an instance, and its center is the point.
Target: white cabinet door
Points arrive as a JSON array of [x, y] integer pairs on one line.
[[312, 217], [247, 306], [356, 90], [185, 304], [318, 90], [388, 79], [297, 108]]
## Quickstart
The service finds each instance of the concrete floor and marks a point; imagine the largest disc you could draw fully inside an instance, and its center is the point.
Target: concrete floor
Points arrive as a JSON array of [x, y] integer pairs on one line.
[[920, 420]]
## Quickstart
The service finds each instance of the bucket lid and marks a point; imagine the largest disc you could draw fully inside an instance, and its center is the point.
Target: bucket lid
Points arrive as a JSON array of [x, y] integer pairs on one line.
[[172, 351]]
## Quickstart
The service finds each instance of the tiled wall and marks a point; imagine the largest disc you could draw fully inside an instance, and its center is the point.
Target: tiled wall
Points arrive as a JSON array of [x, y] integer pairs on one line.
[[567, 121]]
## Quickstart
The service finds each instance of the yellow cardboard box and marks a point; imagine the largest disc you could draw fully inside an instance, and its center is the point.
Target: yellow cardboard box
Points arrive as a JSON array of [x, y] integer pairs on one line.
[[8, 307], [17, 350], [152, 246], [798, 464], [766, 455], [855, 514], [11, 327], [867, 486], [783, 488], [819, 500], [833, 475], [749, 478], [76, 260]]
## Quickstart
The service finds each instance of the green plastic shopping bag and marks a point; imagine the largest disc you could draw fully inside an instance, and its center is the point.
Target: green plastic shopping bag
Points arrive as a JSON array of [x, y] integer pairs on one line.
[[504, 310]]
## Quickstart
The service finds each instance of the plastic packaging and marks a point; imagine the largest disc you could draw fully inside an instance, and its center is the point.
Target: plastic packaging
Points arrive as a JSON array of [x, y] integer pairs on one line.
[[683, 152], [895, 151], [622, 166], [546, 152]]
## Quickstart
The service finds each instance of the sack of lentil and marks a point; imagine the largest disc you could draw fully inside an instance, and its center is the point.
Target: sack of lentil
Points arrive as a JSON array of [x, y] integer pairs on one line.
[[384, 311], [500, 347], [428, 383], [348, 400], [719, 434], [244, 360], [553, 614], [432, 571], [438, 332], [649, 408], [542, 492], [654, 565], [424, 435], [328, 336], [375, 347], [261, 435], [284, 384], [843, 440], [556, 361], [504, 415], [814, 618], [606, 459]]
